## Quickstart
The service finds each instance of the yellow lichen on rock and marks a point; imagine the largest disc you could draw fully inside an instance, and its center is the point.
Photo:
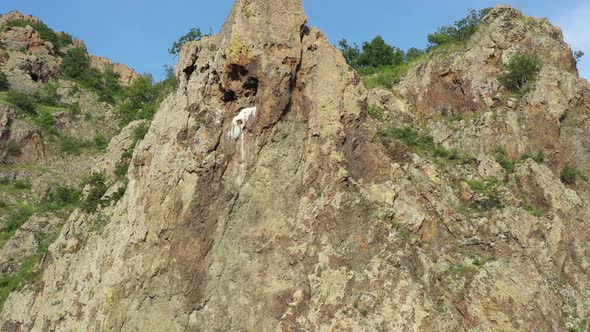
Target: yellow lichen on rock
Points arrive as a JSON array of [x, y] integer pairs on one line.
[[237, 50]]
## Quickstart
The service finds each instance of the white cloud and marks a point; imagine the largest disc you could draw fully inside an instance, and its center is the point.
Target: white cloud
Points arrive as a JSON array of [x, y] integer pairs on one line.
[[576, 30]]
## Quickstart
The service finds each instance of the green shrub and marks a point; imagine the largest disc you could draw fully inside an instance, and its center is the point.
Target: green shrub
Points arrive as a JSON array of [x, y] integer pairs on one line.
[[121, 169], [64, 39], [383, 76], [4, 84], [101, 142], [99, 223], [74, 146], [18, 217], [48, 95], [138, 100], [375, 54], [110, 90], [75, 63], [94, 197], [129, 153], [411, 137], [462, 30], [504, 161], [9, 283], [578, 55], [570, 174], [63, 196], [140, 132], [538, 156], [46, 121], [451, 154], [22, 101], [43, 30], [70, 145], [74, 109], [22, 184], [413, 54], [424, 145], [76, 66], [490, 194], [520, 73], [579, 325], [351, 53], [117, 195], [376, 112], [194, 34], [143, 97], [26, 272], [533, 210]]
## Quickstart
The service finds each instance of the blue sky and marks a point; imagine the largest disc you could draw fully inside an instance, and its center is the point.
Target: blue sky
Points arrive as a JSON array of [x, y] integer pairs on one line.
[[139, 32]]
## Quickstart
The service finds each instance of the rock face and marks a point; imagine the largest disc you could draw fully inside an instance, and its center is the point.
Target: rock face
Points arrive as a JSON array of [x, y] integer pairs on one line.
[[51, 128], [126, 74], [262, 199], [30, 61], [464, 83], [32, 66]]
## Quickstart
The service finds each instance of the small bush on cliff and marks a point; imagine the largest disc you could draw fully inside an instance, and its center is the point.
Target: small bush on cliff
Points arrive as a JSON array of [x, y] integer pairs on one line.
[[533, 210], [4, 84], [61, 197], [384, 76], [520, 73], [413, 54], [142, 99], [411, 138], [423, 144], [462, 30], [64, 39], [94, 197], [43, 30], [75, 146], [376, 112], [101, 142], [58, 40], [504, 161], [76, 66], [75, 63], [578, 55], [570, 174], [194, 34], [22, 184], [22, 101], [46, 121]]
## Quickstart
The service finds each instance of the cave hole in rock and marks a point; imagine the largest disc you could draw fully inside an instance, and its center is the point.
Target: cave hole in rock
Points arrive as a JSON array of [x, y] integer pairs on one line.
[[236, 72], [229, 96], [34, 77], [251, 85], [189, 71]]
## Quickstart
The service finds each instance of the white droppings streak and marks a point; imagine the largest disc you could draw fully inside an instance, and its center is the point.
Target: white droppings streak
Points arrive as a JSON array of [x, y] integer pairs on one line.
[[238, 124]]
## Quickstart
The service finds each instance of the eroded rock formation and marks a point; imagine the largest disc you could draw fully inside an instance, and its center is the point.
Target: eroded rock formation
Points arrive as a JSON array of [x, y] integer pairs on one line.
[[263, 199]]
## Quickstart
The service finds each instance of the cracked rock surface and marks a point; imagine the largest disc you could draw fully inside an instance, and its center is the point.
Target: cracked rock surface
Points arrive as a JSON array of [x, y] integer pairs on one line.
[[307, 219]]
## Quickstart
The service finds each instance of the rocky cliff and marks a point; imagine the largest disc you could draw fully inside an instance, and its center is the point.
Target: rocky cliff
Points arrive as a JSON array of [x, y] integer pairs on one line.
[[51, 129], [263, 197]]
